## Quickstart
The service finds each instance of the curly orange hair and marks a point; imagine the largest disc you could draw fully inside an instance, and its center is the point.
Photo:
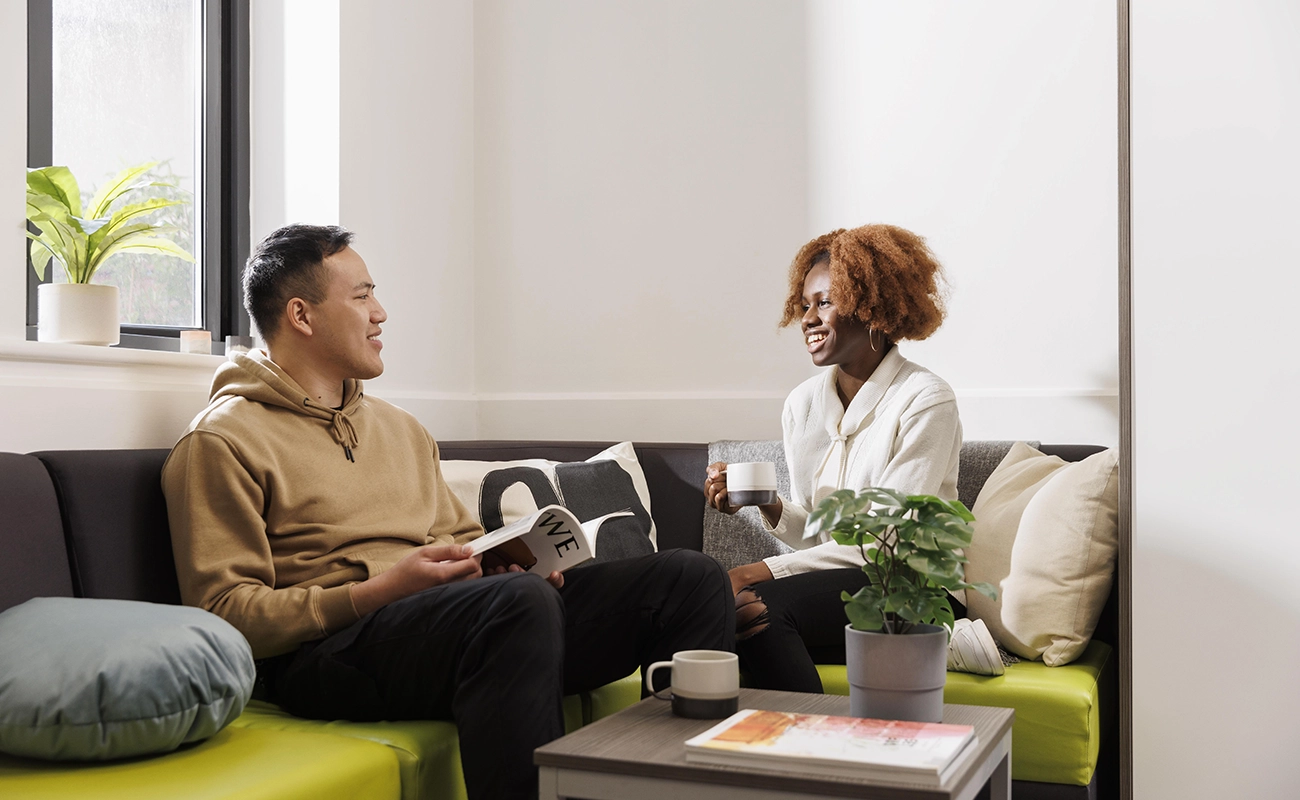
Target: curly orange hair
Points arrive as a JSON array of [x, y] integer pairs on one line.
[[882, 275]]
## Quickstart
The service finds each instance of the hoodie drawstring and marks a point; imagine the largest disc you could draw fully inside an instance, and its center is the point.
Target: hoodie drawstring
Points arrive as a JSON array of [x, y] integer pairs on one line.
[[344, 433]]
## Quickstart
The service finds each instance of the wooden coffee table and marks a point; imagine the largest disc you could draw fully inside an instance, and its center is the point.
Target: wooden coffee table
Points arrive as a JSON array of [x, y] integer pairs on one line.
[[640, 754]]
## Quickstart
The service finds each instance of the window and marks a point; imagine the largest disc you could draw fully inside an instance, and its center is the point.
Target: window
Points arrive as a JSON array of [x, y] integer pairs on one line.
[[116, 83]]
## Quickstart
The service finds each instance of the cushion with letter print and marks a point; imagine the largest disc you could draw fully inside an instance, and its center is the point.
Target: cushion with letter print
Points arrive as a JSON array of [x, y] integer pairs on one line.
[[500, 492]]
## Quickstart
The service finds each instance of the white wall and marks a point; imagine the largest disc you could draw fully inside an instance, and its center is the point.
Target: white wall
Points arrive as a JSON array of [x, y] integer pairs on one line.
[[1216, 619], [990, 129], [294, 88], [646, 172], [407, 190], [640, 188]]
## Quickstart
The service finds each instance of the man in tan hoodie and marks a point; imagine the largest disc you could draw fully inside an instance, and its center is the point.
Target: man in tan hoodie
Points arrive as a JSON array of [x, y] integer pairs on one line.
[[315, 519]]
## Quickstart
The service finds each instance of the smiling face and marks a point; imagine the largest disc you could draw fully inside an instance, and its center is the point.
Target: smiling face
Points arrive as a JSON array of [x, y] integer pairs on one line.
[[345, 325], [832, 337]]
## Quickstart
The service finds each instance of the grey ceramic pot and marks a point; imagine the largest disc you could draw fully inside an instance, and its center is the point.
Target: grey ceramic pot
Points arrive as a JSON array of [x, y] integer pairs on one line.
[[899, 675]]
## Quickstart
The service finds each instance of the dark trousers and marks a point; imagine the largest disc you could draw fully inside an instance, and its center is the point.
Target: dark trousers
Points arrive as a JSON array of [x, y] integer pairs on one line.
[[496, 654], [805, 627]]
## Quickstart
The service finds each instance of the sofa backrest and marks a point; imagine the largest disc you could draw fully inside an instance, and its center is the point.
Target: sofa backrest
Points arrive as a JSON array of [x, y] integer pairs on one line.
[[115, 521], [113, 540], [34, 561]]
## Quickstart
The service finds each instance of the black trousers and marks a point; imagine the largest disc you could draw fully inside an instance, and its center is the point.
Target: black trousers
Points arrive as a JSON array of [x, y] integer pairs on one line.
[[805, 627], [496, 654]]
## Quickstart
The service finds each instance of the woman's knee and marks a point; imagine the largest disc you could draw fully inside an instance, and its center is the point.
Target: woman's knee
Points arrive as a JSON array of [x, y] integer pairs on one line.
[[752, 616]]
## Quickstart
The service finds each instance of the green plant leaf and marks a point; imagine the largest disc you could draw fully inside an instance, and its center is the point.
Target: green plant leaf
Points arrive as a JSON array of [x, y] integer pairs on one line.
[[912, 547], [42, 207], [40, 253], [851, 537], [959, 509], [59, 184], [148, 245], [128, 214], [950, 540], [865, 609], [923, 500], [67, 244], [119, 185]]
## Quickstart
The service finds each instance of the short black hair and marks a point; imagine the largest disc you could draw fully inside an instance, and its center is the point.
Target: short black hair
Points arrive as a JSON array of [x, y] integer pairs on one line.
[[287, 264]]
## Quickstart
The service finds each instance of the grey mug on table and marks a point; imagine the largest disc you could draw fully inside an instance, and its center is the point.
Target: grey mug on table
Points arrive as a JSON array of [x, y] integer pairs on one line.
[[705, 683]]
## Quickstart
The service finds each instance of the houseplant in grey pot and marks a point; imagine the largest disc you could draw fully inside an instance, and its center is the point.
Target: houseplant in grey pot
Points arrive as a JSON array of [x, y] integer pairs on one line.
[[896, 641], [79, 311]]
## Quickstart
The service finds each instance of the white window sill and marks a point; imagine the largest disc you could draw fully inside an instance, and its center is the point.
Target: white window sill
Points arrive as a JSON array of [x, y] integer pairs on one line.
[[57, 353]]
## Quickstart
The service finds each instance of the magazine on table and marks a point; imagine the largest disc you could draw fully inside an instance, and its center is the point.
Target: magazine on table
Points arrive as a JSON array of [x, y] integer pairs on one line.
[[549, 540], [913, 752]]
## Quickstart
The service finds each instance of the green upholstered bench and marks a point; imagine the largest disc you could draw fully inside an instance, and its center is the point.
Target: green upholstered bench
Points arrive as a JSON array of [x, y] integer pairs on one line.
[[1057, 735], [427, 752], [235, 764]]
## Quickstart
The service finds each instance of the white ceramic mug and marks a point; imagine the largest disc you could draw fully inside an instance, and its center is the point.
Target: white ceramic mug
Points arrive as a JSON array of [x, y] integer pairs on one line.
[[751, 483], [706, 683]]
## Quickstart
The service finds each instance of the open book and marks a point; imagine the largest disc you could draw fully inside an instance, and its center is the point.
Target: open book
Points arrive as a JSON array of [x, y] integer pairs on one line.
[[548, 540], [910, 752]]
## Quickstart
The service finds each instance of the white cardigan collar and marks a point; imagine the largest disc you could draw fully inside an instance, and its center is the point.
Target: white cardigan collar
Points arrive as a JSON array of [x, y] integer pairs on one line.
[[841, 422]]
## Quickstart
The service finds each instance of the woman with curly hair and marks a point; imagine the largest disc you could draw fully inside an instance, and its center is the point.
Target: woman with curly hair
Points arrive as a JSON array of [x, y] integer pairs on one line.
[[873, 419]]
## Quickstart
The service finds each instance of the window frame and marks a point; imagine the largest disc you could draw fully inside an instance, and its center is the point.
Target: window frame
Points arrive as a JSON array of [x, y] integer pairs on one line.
[[224, 201]]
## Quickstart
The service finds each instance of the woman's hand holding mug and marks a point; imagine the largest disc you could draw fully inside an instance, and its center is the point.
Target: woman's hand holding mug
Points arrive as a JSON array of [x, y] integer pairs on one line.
[[751, 484]]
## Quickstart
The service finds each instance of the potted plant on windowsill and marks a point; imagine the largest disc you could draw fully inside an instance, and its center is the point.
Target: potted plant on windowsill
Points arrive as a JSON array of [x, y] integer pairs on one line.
[[896, 641], [79, 311]]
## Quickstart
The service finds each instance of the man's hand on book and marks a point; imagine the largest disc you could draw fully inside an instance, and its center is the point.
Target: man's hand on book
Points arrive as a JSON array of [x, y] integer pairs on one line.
[[555, 579], [422, 568]]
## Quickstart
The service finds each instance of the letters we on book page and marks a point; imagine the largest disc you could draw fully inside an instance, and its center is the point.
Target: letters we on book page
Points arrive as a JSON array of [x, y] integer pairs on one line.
[[549, 540]]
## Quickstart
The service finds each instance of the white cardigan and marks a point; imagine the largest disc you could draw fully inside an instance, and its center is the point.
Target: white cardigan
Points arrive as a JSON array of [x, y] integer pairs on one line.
[[901, 431]]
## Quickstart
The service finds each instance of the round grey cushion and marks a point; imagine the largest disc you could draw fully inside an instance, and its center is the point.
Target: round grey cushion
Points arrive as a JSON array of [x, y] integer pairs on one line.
[[84, 679]]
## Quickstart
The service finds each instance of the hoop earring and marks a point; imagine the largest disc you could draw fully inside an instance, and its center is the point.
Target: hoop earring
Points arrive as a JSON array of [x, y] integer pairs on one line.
[[870, 341]]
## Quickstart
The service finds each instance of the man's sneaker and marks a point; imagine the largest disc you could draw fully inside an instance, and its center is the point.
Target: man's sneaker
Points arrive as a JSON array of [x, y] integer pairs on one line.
[[972, 649]]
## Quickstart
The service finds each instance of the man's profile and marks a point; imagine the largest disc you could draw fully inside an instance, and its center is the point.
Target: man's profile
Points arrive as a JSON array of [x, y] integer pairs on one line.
[[315, 519]]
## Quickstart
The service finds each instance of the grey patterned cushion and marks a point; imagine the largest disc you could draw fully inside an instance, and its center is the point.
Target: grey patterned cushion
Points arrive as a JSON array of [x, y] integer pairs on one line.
[[741, 538], [84, 679]]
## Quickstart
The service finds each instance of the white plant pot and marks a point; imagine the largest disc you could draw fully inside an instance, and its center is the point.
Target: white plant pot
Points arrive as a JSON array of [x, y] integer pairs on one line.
[[78, 313]]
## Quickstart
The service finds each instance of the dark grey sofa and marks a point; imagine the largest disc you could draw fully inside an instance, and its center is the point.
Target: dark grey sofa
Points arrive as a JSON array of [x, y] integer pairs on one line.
[[92, 523]]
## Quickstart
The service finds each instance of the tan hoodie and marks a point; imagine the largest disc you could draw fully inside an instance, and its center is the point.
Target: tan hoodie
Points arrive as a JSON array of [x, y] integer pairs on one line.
[[277, 503]]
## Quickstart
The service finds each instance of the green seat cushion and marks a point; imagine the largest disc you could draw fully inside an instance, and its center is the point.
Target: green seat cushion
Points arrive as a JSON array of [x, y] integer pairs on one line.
[[1057, 732], [428, 752], [235, 764], [614, 697]]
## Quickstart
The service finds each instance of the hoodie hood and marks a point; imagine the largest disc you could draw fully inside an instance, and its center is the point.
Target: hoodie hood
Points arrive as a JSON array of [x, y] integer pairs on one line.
[[254, 376]]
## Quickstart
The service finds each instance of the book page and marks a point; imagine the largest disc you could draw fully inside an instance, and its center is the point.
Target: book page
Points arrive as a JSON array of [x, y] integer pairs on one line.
[[505, 533], [592, 527], [557, 540]]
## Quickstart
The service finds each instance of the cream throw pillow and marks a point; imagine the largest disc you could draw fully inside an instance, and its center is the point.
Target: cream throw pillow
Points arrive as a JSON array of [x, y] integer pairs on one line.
[[1063, 561], [998, 509]]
